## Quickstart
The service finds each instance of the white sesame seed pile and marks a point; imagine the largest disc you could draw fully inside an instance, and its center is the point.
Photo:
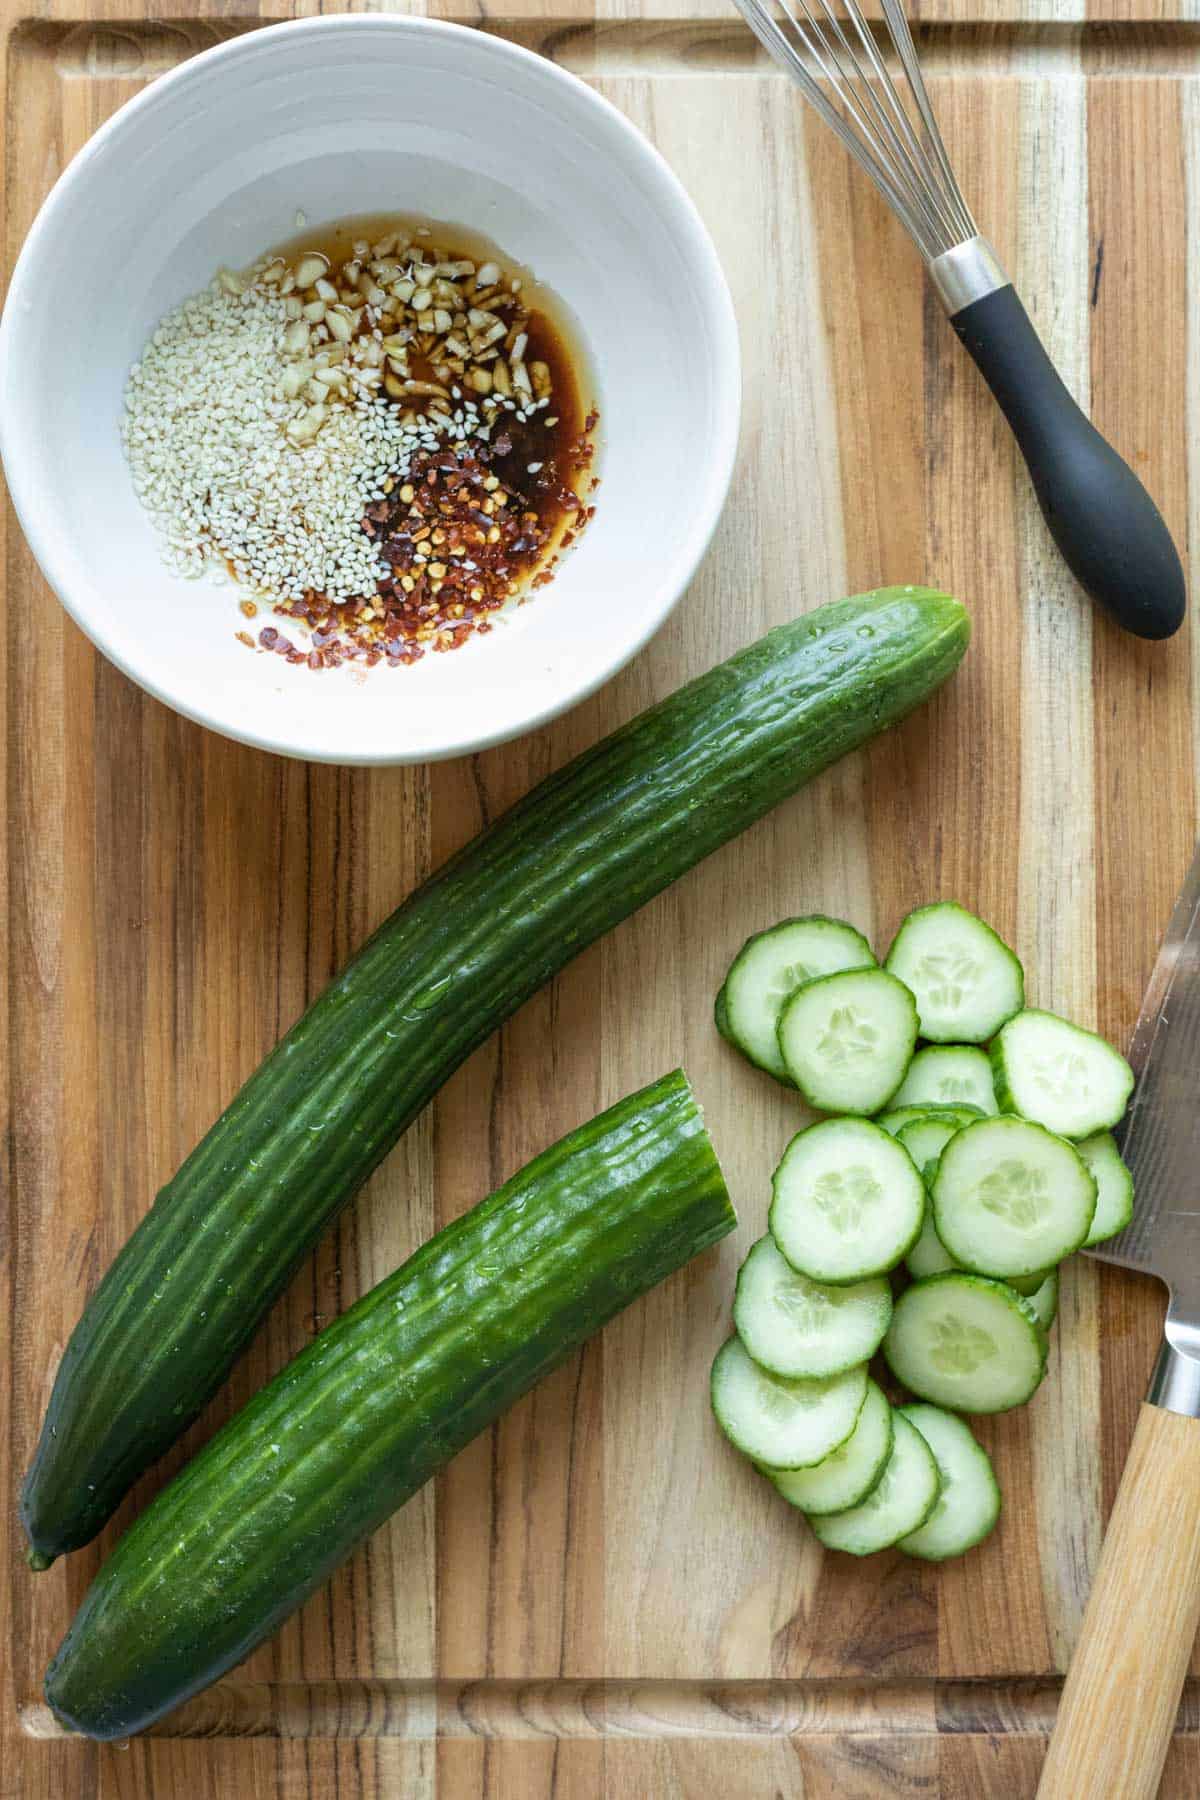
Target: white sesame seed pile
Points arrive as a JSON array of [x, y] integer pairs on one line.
[[206, 433]]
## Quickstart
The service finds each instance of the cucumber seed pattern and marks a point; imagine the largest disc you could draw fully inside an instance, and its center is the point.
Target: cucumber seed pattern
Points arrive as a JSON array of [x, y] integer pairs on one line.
[[808, 1307], [958, 1349], [847, 1038], [779, 1398], [1062, 1077], [845, 1196], [1015, 1192], [788, 980], [955, 1088], [948, 976]]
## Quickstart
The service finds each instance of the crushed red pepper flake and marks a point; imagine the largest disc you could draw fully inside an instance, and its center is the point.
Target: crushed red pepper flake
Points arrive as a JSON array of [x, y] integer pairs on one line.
[[463, 537]]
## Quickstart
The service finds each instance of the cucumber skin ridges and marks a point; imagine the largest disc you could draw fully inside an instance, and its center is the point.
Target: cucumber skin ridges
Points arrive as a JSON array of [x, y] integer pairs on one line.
[[579, 853], [381, 1399]]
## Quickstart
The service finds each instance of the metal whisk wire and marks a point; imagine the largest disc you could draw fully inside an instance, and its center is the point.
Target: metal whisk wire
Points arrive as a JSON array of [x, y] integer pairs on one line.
[[847, 81]]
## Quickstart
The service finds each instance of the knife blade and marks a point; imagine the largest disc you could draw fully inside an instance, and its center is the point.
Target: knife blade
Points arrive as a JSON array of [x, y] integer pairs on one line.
[[1160, 1137], [1121, 1696]]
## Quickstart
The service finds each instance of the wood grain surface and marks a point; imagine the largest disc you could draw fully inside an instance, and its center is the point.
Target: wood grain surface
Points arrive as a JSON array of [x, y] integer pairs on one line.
[[598, 1598]]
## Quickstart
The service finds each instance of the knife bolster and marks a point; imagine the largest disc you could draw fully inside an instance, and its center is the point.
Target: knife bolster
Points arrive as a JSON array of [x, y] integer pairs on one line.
[[1175, 1383]]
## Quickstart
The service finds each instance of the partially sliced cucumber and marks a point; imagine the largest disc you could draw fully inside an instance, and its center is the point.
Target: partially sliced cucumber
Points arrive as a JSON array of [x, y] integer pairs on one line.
[[1010, 1198], [901, 1500], [848, 1202], [847, 1476], [846, 1040], [897, 1117], [1044, 1301], [968, 1505], [1065, 1078], [801, 1328], [786, 1424], [1114, 1186], [949, 1075], [967, 1343], [966, 980], [769, 968]]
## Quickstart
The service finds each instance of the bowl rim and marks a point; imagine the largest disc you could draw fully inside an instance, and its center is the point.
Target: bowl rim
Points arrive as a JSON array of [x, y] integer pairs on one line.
[[34, 516]]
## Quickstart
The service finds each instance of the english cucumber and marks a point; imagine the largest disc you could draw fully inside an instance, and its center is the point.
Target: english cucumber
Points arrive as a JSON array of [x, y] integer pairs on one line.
[[381, 1399], [582, 851]]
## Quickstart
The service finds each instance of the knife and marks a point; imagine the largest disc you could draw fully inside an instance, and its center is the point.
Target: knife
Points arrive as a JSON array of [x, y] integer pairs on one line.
[[1121, 1695]]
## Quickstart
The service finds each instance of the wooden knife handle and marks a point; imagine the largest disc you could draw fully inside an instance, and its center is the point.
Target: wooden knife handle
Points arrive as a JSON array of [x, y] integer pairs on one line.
[[1122, 1692]]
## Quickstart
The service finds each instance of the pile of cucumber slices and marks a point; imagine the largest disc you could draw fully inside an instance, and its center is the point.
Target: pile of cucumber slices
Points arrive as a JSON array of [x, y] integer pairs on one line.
[[977, 1169]]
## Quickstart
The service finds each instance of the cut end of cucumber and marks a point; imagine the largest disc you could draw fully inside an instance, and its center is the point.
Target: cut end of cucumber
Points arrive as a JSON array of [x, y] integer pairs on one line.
[[1010, 1198], [966, 980], [1060, 1076], [902, 1499], [846, 1040], [847, 1201], [966, 1343]]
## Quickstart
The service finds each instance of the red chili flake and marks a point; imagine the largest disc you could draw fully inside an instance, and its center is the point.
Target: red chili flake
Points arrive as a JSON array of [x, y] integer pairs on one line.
[[466, 542]]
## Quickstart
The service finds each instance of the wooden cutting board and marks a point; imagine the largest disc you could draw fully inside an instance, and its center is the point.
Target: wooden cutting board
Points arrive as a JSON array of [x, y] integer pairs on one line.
[[599, 1598]]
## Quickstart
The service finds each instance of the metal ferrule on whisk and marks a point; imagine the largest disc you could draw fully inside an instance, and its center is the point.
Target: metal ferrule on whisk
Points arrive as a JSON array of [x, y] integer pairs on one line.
[[966, 273]]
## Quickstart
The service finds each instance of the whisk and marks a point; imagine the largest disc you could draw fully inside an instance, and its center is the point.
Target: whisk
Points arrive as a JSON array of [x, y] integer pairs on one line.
[[1108, 530]]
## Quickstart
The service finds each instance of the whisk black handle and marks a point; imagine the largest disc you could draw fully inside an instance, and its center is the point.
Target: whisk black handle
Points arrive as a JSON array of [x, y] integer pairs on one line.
[[1109, 531]]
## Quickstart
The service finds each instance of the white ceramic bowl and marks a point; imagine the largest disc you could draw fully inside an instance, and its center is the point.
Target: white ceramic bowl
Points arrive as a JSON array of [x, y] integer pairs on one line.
[[336, 116]]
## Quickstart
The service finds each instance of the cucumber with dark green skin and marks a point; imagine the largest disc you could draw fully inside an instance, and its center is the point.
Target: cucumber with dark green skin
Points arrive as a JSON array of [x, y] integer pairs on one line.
[[381, 1399], [576, 855]]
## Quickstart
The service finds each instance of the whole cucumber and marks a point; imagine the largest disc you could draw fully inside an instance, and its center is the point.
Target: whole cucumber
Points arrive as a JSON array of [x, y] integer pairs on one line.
[[580, 852], [381, 1399]]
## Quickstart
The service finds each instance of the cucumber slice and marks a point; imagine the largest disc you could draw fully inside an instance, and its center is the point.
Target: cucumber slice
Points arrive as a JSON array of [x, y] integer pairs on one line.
[[1114, 1186], [901, 1500], [1028, 1284], [1044, 1301], [847, 1203], [966, 980], [928, 1256], [801, 1328], [786, 1424], [847, 1039], [1059, 1075], [949, 1075], [925, 1139], [847, 1476], [968, 1505], [965, 1342], [896, 1118], [769, 968], [1010, 1198]]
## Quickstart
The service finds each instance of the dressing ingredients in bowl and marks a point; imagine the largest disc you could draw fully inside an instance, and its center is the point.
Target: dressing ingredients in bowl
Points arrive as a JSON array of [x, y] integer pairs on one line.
[[383, 432]]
